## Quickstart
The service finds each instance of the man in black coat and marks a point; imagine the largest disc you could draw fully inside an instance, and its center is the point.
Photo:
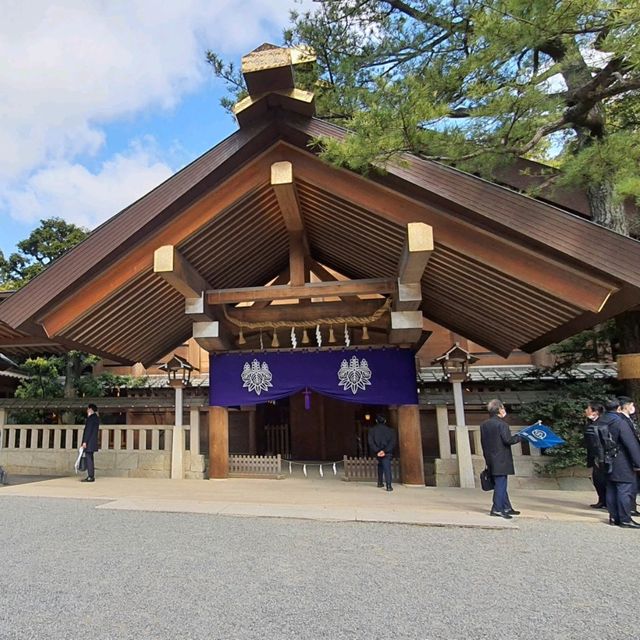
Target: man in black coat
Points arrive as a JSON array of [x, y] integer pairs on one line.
[[90, 440], [382, 442], [622, 482], [593, 413], [497, 440], [627, 410]]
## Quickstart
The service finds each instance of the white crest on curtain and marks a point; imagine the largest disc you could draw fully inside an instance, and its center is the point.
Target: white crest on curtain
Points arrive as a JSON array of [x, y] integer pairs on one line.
[[354, 375], [256, 377]]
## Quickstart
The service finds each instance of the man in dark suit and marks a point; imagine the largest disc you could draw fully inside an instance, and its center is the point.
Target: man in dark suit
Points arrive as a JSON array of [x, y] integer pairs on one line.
[[90, 440], [593, 413], [622, 482], [626, 410], [382, 442], [497, 440]]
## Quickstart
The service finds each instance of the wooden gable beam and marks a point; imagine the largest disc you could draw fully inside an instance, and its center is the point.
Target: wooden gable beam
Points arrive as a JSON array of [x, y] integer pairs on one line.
[[416, 252], [561, 280], [171, 265], [286, 194], [283, 184], [140, 259], [309, 290]]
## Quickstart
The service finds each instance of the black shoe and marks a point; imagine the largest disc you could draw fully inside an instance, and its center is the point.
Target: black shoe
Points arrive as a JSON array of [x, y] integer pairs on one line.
[[88, 480], [632, 524], [635, 512], [380, 485], [613, 522], [598, 505], [513, 512], [389, 487], [501, 514]]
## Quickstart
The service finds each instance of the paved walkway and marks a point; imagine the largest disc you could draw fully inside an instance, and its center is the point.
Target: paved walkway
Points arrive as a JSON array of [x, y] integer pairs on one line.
[[326, 499]]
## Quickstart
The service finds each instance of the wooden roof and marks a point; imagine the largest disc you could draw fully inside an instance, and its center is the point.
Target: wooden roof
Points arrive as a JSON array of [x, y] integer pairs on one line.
[[507, 271]]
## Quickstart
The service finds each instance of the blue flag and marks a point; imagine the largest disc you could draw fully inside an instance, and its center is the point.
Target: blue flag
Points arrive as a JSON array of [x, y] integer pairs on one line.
[[541, 436]]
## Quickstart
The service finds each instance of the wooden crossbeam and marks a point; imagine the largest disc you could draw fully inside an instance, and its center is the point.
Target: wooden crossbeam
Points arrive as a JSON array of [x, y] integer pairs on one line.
[[298, 312], [198, 310], [282, 279], [406, 327], [169, 263], [417, 250], [211, 336], [326, 276], [309, 290]]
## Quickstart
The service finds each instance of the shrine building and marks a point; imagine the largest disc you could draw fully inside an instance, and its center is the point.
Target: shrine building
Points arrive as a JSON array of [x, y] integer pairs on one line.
[[311, 288]]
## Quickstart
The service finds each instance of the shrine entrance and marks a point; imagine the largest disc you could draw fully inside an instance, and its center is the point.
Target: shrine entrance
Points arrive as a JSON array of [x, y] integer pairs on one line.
[[312, 405], [316, 428]]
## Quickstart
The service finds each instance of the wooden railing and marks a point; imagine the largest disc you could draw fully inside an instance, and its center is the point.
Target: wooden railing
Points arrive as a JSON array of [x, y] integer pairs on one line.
[[366, 469], [251, 466], [111, 437]]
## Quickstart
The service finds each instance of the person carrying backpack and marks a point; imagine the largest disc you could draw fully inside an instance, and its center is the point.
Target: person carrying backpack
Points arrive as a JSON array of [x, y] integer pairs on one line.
[[622, 480], [596, 458]]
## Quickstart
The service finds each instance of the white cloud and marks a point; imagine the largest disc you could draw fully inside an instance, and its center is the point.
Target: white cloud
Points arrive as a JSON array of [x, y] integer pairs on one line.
[[70, 191], [71, 67]]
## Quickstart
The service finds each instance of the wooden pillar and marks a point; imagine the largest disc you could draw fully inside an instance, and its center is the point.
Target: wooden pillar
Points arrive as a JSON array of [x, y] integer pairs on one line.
[[218, 442], [3, 421], [177, 441], [442, 420], [410, 439], [194, 431], [463, 446]]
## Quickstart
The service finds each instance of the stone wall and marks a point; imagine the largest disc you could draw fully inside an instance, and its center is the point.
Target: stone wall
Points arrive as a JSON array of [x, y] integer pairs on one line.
[[574, 478], [121, 463]]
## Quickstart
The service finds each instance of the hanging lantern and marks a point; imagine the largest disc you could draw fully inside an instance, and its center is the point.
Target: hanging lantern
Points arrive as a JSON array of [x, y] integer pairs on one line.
[[365, 332], [332, 338], [241, 339], [305, 337], [275, 342]]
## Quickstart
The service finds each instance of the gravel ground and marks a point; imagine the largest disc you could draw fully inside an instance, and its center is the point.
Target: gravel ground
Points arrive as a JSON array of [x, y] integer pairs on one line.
[[70, 571]]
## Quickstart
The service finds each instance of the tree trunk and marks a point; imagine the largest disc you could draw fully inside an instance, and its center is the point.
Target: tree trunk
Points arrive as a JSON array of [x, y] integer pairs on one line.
[[605, 211], [72, 373], [608, 213]]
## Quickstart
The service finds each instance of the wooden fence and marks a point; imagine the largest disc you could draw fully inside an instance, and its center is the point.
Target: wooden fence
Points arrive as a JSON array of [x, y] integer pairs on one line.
[[246, 466], [366, 469]]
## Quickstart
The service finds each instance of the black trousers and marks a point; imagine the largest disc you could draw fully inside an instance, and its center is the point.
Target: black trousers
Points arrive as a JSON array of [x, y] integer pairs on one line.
[[91, 469], [599, 479], [620, 500], [384, 469]]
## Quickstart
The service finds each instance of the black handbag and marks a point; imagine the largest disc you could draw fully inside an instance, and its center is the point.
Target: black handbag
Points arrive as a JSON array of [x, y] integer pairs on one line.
[[82, 465], [486, 480]]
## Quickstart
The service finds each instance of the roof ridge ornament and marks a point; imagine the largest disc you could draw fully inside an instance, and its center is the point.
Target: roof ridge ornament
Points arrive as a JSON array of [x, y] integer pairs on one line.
[[268, 72]]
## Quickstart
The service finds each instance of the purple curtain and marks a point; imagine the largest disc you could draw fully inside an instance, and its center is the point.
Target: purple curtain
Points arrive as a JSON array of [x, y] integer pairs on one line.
[[367, 376]]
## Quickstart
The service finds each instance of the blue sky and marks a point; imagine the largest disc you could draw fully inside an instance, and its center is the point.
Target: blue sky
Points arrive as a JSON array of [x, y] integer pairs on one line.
[[103, 101]]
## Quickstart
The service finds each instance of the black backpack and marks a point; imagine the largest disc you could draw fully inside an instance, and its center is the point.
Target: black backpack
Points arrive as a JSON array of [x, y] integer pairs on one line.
[[600, 445]]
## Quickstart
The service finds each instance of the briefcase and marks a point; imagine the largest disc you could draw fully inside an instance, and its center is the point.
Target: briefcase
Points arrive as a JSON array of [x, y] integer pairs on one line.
[[486, 480]]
